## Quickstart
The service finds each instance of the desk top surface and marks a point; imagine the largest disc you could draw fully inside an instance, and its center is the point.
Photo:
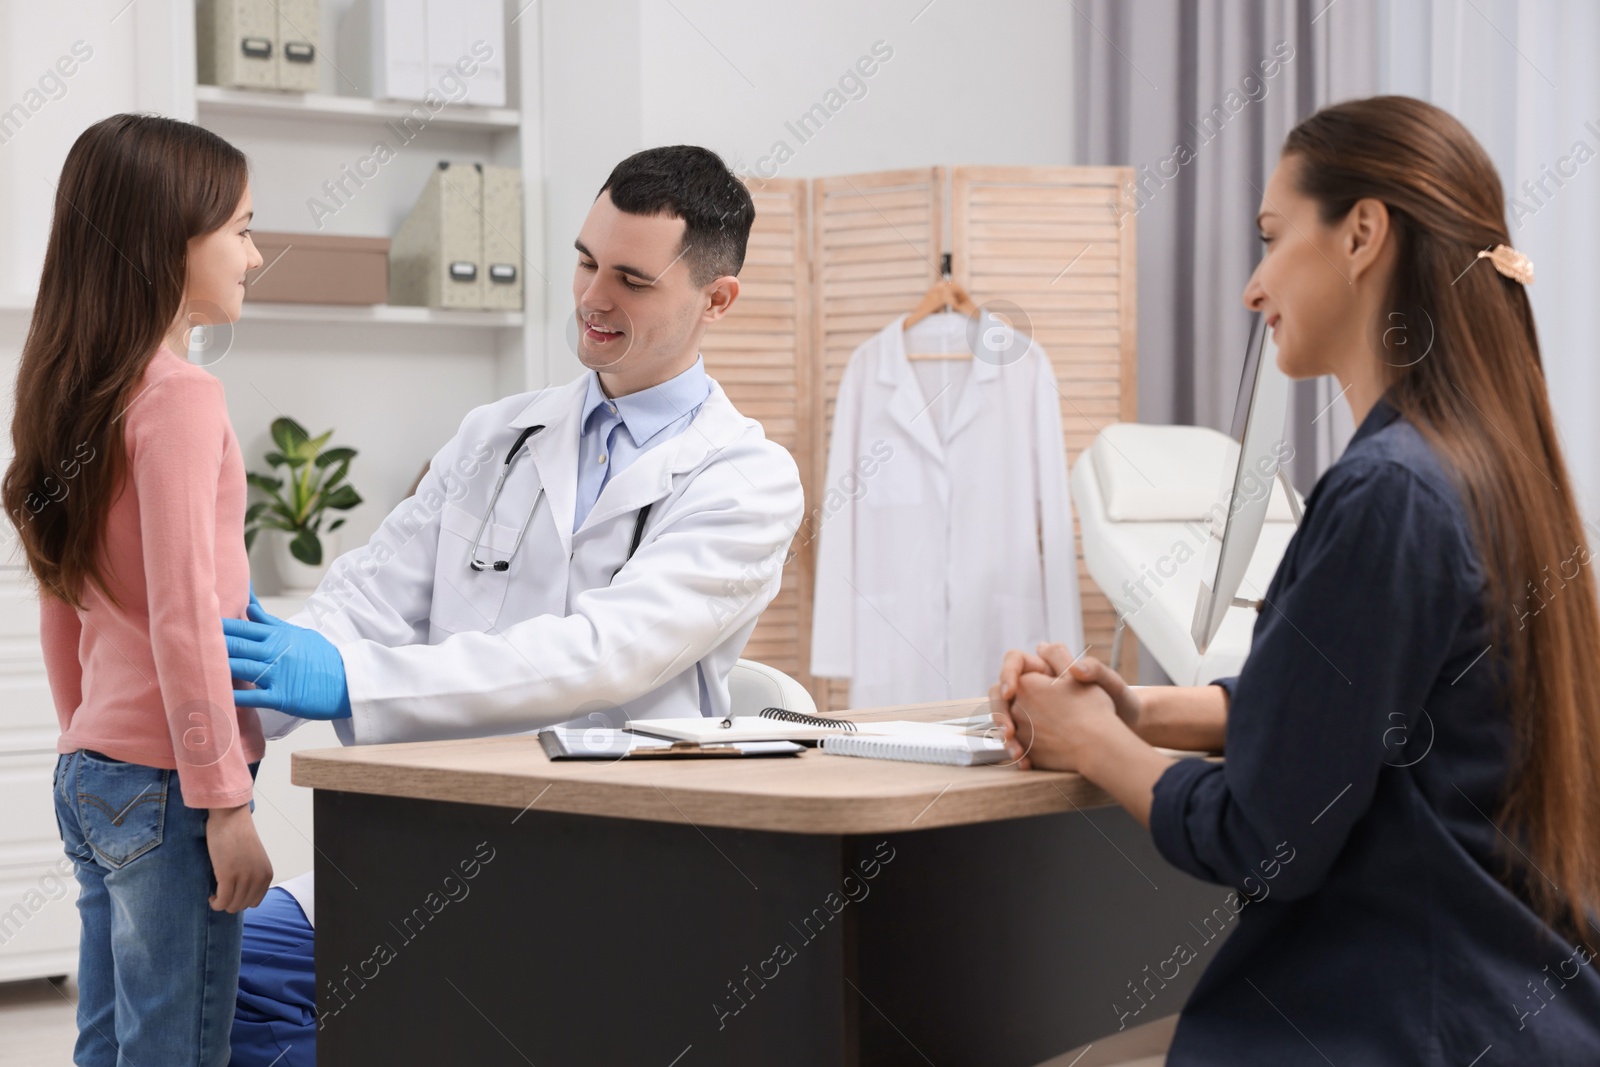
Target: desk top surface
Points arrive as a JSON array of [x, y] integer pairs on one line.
[[813, 793]]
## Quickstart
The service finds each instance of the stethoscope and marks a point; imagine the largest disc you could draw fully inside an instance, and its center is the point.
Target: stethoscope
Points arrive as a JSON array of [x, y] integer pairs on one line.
[[505, 468]]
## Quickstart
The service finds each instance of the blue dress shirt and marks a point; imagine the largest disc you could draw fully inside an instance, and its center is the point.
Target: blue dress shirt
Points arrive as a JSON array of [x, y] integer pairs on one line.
[[1369, 744], [616, 431]]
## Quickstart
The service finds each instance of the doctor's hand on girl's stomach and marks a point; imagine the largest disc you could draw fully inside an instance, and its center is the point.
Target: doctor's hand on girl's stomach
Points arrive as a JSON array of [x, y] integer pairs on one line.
[[244, 873], [295, 670]]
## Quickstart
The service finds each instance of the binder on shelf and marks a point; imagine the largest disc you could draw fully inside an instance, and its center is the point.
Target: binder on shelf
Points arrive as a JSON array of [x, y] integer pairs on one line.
[[405, 49], [235, 42], [299, 33], [383, 49], [473, 30], [502, 238], [436, 258], [258, 44]]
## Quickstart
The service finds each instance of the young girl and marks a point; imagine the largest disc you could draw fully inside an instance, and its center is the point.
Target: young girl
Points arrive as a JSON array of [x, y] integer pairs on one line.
[[128, 494]]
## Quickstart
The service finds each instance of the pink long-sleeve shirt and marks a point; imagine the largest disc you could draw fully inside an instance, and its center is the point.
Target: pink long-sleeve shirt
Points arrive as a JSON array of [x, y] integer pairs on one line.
[[149, 683]]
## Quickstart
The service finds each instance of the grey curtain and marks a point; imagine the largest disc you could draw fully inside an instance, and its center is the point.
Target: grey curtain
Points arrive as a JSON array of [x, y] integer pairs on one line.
[[1197, 96]]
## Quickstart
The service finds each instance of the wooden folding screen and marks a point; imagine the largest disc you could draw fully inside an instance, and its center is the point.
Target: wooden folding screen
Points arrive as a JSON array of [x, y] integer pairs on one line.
[[876, 246], [831, 261], [761, 355], [1046, 240]]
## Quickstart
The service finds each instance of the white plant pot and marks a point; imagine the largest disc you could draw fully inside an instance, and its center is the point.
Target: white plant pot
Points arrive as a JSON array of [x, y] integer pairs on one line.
[[296, 578]]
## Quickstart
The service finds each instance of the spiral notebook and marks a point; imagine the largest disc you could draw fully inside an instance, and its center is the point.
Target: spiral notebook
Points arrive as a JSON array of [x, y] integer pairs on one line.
[[961, 751]]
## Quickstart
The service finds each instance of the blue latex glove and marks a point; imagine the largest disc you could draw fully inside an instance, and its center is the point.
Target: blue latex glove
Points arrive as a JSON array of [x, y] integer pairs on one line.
[[295, 670]]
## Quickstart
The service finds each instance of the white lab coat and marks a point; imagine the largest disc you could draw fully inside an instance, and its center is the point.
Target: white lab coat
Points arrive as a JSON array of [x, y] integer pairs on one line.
[[433, 649], [947, 527]]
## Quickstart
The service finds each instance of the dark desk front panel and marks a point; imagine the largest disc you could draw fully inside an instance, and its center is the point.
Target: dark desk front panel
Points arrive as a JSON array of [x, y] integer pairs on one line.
[[453, 933]]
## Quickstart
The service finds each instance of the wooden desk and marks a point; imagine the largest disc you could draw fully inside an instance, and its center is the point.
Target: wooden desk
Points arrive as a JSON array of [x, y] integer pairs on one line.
[[477, 903]]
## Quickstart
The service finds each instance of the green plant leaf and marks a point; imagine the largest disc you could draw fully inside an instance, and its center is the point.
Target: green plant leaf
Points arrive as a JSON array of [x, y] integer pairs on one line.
[[334, 455], [341, 499], [249, 538], [335, 476], [289, 435], [306, 548], [335, 525], [254, 511], [276, 459], [264, 481]]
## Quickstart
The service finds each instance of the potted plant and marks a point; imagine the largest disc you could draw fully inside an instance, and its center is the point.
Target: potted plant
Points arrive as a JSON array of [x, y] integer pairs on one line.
[[298, 502]]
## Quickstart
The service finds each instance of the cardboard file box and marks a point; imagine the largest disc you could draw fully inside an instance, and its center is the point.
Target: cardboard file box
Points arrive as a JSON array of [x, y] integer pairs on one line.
[[461, 246], [436, 260], [318, 268], [258, 44], [502, 238]]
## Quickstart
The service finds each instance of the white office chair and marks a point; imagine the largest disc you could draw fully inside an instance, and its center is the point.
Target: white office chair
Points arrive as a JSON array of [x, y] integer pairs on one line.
[[753, 686]]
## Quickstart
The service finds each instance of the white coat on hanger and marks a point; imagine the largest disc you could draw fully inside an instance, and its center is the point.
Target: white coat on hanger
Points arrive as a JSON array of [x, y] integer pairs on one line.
[[947, 530]]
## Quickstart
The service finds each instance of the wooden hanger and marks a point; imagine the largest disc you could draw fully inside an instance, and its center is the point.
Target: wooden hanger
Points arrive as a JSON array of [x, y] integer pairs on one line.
[[943, 295]]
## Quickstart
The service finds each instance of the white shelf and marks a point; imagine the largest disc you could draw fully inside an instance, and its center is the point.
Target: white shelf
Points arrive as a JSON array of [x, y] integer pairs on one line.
[[358, 315], [213, 100], [375, 314]]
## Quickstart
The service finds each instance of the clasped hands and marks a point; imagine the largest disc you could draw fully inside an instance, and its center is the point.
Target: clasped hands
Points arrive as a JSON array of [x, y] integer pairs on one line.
[[1060, 712]]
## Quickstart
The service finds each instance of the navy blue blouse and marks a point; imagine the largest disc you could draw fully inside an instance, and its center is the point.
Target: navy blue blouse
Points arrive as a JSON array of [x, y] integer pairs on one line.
[[1367, 750]]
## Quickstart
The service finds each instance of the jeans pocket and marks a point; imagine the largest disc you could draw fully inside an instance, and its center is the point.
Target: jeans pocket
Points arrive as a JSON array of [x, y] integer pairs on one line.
[[121, 807]]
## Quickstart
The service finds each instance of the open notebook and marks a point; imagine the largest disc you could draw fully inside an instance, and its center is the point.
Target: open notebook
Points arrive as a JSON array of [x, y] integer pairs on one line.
[[956, 741]]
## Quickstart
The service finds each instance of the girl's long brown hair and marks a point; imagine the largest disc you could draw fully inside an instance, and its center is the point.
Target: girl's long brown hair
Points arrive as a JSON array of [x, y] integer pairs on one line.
[[133, 191], [1480, 398]]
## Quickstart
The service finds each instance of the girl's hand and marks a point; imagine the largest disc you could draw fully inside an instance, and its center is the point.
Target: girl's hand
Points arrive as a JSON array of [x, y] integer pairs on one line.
[[244, 874]]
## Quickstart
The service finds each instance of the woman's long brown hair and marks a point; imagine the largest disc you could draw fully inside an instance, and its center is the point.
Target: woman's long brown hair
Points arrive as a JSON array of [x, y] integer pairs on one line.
[[133, 191], [1480, 398]]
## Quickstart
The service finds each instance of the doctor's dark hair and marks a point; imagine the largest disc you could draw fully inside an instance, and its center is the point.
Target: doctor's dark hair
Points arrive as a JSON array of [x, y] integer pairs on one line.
[[693, 184], [1480, 398], [133, 191]]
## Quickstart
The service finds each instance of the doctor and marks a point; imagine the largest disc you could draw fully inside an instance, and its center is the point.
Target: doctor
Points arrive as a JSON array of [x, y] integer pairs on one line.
[[583, 554]]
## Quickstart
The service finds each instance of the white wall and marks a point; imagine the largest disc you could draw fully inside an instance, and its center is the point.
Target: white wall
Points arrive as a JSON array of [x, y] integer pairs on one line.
[[395, 393], [32, 38], [967, 83]]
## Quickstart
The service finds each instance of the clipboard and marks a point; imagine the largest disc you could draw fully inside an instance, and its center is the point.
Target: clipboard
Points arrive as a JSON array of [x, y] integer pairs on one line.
[[561, 743]]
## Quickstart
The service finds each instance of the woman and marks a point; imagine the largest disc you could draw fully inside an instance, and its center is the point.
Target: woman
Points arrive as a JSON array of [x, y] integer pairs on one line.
[[127, 491], [1410, 796]]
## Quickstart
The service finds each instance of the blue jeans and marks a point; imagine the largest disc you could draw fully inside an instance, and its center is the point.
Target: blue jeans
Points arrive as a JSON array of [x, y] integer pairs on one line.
[[158, 970]]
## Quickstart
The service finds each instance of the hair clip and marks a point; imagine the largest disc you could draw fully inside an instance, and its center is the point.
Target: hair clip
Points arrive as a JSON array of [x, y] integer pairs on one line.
[[1510, 262]]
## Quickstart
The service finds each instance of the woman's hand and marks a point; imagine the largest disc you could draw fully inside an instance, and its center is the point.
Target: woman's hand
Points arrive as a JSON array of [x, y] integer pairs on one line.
[[1088, 669], [1060, 723], [1059, 714], [244, 873], [1055, 660]]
